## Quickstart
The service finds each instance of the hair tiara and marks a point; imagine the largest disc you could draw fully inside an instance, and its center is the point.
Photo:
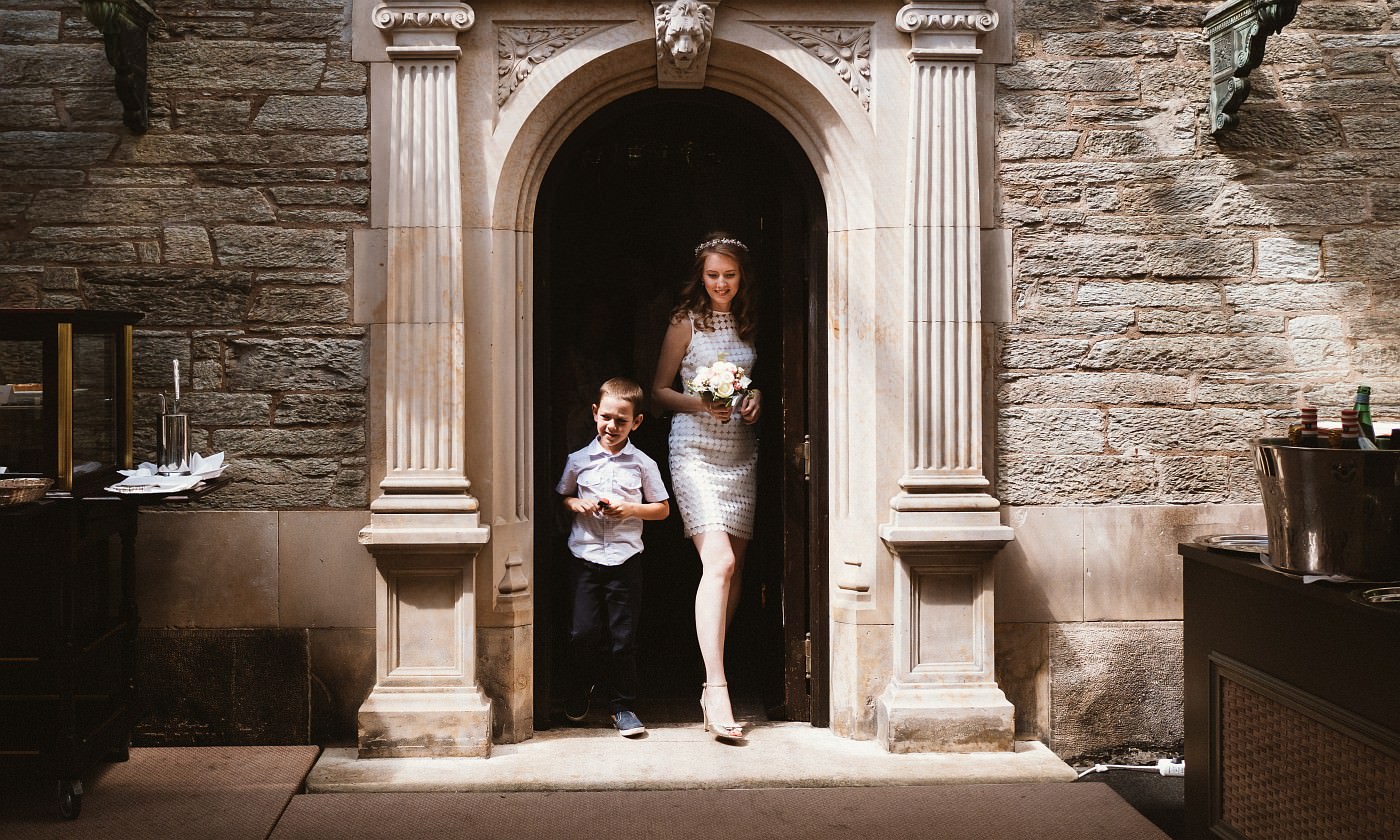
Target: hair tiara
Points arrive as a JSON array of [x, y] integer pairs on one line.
[[724, 240]]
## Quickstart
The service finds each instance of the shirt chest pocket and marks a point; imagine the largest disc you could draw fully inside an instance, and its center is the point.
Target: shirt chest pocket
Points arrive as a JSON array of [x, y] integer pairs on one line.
[[623, 480]]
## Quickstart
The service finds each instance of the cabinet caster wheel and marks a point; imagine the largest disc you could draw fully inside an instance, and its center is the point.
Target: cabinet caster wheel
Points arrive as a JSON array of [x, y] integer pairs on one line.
[[70, 798]]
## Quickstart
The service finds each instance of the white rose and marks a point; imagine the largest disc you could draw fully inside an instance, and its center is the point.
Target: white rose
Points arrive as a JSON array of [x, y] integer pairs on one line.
[[724, 390]]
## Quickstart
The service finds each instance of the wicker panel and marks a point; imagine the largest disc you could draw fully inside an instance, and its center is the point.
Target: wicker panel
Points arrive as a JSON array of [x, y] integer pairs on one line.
[[1284, 774]]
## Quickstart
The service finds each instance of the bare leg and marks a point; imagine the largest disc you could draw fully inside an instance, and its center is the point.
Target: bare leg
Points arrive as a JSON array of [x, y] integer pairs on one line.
[[718, 579], [736, 581]]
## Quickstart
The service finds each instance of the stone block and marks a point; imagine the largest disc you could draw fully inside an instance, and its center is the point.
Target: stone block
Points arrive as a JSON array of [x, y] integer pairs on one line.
[[1050, 430], [153, 205], [1343, 16], [1188, 353], [1032, 15], [1270, 205], [315, 305], [243, 687], [1292, 258], [1110, 44], [212, 115], [187, 245], [1020, 144], [1215, 389], [1117, 689], [19, 286], [1361, 253], [1185, 321], [41, 64], [277, 483], [325, 577], [1043, 353], [313, 113], [1188, 479], [1061, 322], [1040, 574], [60, 277], [319, 24], [1148, 294], [1077, 479], [1158, 430], [67, 252], [171, 295], [290, 442], [275, 247], [1316, 326], [297, 364], [1372, 131], [216, 409], [12, 206], [1275, 128], [1294, 297], [320, 409], [207, 569], [19, 26], [350, 196], [1031, 110], [1359, 63], [55, 148], [1105, 388], [1081, 256], [236, 65], [1196, 257], [1176, 15], [1089, 76]]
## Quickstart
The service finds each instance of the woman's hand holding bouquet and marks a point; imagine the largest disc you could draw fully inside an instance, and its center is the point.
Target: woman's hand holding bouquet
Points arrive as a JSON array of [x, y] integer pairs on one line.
[[721, 387]]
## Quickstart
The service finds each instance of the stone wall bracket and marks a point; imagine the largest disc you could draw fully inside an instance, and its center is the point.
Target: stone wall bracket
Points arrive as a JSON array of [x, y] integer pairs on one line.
[[125, 26], [1238, 31], [684, 31]]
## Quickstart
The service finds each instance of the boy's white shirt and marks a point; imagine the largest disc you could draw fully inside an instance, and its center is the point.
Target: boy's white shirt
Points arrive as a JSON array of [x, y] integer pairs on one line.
[[628, 476]]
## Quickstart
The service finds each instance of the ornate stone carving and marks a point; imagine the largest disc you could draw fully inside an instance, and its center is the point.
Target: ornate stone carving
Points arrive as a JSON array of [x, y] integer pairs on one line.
[[1237, 32], [683, 31], [948, 16], [520, 49], [845, 48], [425, 15]]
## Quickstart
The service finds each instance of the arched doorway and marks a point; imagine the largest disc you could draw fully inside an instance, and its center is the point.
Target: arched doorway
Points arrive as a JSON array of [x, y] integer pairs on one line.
[[624, 200]]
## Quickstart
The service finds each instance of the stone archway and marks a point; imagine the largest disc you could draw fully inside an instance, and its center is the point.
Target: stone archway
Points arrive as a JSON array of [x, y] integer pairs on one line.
[[903, 330]]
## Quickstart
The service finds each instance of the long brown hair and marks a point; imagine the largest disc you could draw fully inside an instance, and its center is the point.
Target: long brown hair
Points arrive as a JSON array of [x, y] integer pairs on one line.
[[695, 301]]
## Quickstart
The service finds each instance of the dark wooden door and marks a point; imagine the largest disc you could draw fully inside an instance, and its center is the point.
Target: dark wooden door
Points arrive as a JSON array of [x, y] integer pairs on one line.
[[624, 201]]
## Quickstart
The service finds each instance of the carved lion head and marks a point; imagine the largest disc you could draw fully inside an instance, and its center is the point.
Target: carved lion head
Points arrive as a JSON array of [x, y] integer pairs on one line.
[[683, 31]]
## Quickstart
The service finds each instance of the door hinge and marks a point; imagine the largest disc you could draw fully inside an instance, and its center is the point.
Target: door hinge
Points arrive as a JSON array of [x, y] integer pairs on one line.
[[807, 654], [807, 457]]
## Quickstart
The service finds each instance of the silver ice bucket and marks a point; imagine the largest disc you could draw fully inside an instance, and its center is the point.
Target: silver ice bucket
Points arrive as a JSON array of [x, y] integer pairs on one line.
[[1331, 511]]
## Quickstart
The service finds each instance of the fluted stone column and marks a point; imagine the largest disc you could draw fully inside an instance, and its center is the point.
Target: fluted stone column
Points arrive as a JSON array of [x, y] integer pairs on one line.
[[425, 529], [944, 526]]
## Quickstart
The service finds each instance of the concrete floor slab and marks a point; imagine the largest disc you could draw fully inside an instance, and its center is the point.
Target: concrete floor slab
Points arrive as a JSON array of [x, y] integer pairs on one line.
[[682, 757]]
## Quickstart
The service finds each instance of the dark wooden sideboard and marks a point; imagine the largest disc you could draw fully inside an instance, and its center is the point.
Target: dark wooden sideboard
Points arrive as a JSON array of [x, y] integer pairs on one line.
[[1292, 704]]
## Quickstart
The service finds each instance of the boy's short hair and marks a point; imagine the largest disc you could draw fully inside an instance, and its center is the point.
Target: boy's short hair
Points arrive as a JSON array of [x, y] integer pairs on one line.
[[624, 389]]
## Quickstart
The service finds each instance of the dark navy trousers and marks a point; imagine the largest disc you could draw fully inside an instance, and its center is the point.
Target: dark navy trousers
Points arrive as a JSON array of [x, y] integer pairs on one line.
[[603, 630]]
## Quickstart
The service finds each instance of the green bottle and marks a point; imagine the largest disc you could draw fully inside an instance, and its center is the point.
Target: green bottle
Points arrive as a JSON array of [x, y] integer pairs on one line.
[[1363, 411]]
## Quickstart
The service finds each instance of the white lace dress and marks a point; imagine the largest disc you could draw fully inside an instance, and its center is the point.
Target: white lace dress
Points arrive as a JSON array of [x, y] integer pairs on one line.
[[714, 466]]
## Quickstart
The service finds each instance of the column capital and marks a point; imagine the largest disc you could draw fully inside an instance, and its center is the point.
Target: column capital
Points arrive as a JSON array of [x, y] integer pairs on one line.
[[946, 30], [423, 26]]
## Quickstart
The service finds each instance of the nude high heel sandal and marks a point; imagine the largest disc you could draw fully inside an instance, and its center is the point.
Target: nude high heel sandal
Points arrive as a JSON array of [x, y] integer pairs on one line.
[[722, 730]]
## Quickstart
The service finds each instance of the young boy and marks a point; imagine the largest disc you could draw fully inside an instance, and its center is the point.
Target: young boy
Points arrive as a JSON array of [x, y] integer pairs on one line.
[[609, 486]]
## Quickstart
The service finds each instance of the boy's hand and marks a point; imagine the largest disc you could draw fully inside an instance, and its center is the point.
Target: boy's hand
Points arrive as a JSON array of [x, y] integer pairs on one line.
[[585, 506], [615, 510]]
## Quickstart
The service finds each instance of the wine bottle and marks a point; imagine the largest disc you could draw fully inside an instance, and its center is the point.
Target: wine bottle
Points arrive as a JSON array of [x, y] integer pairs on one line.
[[1363, 412], [1351, 431]]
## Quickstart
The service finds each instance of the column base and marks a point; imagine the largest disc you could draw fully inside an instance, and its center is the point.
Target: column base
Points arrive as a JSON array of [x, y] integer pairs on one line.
[[445, 723], [955, 719]]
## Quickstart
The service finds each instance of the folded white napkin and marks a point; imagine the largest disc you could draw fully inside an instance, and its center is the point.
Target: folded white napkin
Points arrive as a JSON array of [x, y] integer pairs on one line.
[[200, 467]]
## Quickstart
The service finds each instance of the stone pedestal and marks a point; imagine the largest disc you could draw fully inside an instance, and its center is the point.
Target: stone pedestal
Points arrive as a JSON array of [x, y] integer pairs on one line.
[[425, 530], [944, 696], [945, 527], [426, 700]]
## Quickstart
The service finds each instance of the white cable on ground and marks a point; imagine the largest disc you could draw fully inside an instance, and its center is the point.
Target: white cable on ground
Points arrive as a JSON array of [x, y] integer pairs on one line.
[[1163, 767]]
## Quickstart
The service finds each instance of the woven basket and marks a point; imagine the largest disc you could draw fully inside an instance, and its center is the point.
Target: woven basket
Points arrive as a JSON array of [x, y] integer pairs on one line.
[[18, 491]]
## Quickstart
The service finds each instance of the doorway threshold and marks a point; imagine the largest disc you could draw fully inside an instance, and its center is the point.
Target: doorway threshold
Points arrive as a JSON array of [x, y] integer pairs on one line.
[[682, 757]]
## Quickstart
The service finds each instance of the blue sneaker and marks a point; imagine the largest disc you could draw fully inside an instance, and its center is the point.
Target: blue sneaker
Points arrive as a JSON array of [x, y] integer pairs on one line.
[[628, 725]]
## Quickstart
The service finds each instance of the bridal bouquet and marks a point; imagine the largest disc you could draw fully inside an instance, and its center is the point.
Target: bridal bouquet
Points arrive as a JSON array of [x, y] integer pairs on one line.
[[720, 381]]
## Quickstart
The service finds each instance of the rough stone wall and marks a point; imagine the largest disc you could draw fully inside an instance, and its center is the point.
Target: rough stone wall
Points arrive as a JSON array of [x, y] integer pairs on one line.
[[228, 224], [1178, 293]]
